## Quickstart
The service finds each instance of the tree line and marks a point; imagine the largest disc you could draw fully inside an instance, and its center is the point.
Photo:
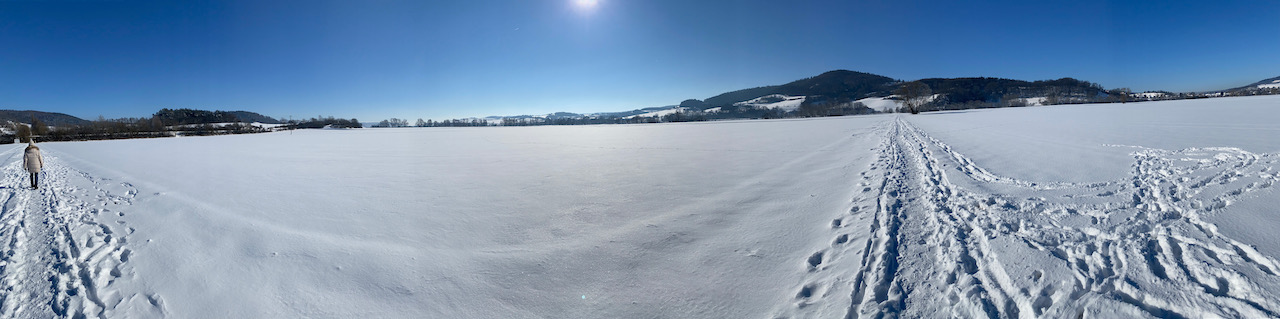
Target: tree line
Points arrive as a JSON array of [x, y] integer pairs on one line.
[[164, 123], [323, 122]]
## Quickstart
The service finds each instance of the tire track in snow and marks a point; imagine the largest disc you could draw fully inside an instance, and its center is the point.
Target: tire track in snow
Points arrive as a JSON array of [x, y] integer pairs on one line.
[[59, 260], [1137, 245]]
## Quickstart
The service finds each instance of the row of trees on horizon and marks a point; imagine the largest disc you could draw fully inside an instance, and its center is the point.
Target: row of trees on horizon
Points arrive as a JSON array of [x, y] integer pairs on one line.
[[164, 123]]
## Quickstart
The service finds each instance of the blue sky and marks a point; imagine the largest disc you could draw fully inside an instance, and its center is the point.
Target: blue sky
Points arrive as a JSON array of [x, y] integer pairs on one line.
[[442, 59]]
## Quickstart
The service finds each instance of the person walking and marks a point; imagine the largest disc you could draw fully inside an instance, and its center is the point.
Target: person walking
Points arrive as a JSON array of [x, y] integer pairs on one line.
[[32, 161]]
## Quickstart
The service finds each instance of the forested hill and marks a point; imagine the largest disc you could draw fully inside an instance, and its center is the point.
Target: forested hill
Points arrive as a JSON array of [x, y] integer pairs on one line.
[[989, 90], [246, 116], [192, 116], [851, 85], [832, 84], [48, 118]]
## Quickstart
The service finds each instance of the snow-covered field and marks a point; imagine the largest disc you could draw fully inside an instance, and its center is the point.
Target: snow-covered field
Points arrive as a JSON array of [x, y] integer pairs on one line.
[[1154, 209]]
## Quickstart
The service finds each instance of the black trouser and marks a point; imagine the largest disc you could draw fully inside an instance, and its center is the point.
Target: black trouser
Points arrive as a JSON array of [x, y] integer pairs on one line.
[[34, 177]]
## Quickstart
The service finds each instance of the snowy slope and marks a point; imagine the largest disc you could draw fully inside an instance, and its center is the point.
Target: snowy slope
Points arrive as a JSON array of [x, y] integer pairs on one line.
[[774, 101], [881, 104], [1160, 209], [1272, 85], [890, 103], [657, 113]]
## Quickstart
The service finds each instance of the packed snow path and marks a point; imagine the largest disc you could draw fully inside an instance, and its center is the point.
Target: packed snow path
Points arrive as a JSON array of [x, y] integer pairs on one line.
[[57, 260], [999, 247]]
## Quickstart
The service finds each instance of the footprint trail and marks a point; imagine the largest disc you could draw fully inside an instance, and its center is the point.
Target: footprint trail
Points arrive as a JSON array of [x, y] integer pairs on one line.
[[991, 246], [64, 248]]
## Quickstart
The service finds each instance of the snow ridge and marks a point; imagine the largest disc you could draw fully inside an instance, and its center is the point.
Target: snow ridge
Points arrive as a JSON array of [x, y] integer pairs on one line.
[[57, 260], [1137, 246]]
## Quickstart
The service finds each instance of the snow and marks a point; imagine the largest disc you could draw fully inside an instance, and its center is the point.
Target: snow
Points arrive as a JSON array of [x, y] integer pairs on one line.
[[891, 103], [266, 125], [658, 113], [881, 104], [1034, 101], [1160, 209], [774, 101], [1273, 85]]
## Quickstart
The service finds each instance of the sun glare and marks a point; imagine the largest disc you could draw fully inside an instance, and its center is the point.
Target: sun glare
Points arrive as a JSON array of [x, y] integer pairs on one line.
[[586, 4]]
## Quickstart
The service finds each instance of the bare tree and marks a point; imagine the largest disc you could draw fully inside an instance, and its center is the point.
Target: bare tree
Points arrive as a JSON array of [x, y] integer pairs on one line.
[[393, 122], [914, 94], [38, 128], [24, 132], [1121, 95], [1013, 100]]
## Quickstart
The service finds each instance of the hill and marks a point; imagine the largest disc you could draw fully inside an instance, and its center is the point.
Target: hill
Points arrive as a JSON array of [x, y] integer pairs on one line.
[[1266, 84], [250, 117], [192, 116], [178, 116], [49, 118], [840, 92], [838, 84], [844, 86], [844, 92], [967, 91]]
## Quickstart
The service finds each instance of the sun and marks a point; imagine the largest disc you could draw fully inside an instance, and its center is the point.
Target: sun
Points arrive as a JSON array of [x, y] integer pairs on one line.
[[586, 4]]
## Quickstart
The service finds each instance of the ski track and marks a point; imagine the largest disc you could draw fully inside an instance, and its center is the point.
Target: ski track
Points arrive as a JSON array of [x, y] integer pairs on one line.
[[56, 259], [1136, 246]]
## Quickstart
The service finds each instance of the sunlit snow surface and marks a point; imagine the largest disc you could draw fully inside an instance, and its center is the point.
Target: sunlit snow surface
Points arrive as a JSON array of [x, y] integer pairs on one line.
[[659, 113], [881, 104], [1155, 209], [774, 101]]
